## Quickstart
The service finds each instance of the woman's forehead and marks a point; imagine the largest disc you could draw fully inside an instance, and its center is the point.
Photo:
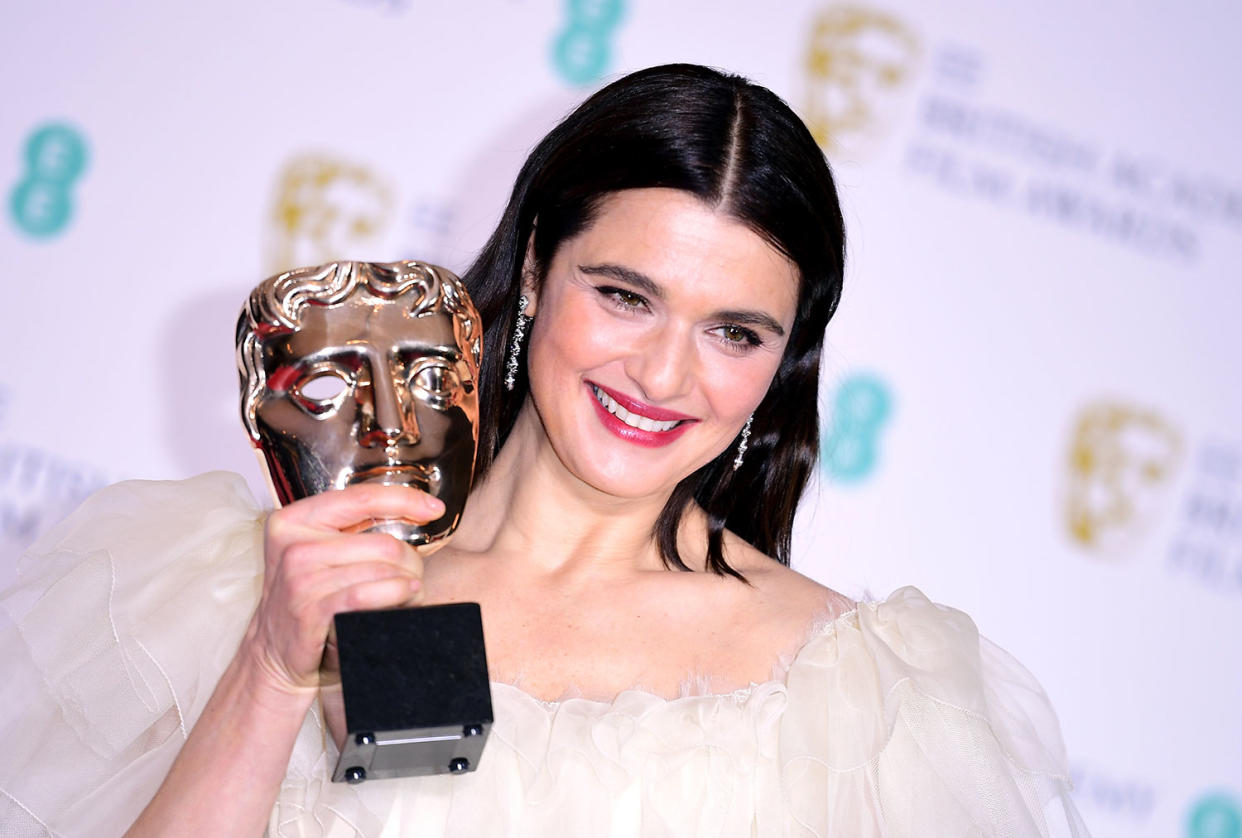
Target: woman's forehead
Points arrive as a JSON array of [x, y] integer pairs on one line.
[[675, 239]]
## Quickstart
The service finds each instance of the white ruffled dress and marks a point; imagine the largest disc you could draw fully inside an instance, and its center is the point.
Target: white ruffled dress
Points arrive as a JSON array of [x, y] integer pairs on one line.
[[893, 720]]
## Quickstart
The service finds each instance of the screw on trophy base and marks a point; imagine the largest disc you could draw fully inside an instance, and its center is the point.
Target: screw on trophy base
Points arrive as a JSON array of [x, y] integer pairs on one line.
[[365, 372]]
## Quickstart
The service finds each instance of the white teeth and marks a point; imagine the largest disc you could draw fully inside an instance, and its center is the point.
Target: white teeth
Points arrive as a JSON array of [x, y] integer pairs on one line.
[[632, 419]]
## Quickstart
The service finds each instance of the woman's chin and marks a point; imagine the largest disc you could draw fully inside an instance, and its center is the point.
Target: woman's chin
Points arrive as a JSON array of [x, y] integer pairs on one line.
[[628, 480]]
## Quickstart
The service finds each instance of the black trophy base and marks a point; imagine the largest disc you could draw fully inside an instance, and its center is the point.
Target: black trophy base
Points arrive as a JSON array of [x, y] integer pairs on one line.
[[416, 692]]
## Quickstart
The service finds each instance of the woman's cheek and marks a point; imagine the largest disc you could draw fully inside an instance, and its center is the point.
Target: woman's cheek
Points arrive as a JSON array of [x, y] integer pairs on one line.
[[736, 386], [593, 331]]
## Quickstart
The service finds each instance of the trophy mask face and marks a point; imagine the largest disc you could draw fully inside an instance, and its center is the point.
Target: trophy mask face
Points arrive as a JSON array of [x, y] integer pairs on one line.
[[366, 390]]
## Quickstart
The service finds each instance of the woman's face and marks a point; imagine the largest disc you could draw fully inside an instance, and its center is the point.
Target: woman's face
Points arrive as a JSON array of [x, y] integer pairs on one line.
[[657, 332]]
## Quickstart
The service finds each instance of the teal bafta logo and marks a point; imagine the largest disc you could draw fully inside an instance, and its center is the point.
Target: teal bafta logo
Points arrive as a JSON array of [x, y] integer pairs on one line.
[[860, 410], [42, 201], [582, 50], [1215, 816]]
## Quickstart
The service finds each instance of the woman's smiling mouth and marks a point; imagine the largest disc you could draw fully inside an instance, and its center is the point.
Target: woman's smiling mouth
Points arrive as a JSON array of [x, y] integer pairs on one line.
[[637, 422]]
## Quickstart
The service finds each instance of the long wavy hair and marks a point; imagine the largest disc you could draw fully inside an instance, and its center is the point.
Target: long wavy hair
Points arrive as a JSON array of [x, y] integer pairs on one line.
[[741, 150]]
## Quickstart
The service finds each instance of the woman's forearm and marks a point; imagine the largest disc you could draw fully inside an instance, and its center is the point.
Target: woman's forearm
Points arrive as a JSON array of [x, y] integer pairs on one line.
[[225, 780]]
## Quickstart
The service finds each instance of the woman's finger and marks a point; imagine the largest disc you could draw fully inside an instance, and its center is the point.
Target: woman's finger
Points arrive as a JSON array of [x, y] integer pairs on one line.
[[368, 596], [335, 550], [353, 505], [293, 620], [325, 584]]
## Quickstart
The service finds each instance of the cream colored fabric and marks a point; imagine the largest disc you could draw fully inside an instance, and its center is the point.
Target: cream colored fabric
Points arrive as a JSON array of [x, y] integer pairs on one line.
[[896, 719]]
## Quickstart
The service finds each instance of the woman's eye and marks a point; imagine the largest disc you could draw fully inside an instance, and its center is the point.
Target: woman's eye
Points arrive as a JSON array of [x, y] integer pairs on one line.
[[623, 298], [739, 335]]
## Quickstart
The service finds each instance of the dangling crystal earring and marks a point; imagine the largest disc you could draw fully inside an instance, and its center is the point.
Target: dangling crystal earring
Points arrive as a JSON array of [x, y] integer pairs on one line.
[[741, 446], [515, 348]]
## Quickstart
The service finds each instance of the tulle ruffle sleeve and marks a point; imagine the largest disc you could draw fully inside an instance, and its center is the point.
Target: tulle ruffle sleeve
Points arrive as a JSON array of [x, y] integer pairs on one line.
[[903, 721], [124, 616]]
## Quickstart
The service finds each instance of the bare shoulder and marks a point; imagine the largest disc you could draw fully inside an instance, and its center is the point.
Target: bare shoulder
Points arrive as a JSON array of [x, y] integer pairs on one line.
[[785, 600]]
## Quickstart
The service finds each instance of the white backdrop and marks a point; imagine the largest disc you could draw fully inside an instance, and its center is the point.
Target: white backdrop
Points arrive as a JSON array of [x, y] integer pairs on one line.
[[1031, 396]]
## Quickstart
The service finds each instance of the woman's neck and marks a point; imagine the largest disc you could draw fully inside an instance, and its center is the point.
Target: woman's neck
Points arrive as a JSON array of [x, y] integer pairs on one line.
[[530, 507]]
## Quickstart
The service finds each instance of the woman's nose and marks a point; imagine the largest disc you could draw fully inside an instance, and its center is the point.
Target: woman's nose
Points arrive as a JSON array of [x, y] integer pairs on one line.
[[392, 406], [663, 364]]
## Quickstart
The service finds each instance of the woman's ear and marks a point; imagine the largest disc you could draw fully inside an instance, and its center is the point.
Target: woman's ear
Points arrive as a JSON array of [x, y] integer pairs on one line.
[[530, 274]]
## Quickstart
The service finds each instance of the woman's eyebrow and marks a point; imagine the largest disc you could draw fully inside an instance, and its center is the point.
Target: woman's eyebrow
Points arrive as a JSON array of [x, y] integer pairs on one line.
[[649, 286], [752, 318], [640, 281]]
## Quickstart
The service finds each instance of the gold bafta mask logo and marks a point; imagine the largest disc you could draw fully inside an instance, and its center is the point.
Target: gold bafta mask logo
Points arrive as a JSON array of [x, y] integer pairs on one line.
[[1122, 460], [325, 209], [857, 61]]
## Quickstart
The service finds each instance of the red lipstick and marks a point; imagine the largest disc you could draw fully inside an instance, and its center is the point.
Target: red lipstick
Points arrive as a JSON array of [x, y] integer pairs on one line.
[[642, 408], [647, 439]]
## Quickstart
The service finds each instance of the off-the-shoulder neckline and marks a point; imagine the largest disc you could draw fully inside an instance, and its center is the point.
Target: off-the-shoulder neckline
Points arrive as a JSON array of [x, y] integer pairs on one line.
[[819, 628]]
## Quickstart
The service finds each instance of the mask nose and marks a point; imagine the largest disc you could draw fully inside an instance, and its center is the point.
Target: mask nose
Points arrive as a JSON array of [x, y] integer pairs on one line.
[[392, 420]]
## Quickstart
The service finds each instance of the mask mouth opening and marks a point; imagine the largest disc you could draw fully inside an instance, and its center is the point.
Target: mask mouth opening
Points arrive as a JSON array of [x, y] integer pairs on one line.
[[425, 478]]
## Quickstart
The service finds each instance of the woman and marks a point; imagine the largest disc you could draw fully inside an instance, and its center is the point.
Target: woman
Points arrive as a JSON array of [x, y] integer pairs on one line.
[[677, 246]]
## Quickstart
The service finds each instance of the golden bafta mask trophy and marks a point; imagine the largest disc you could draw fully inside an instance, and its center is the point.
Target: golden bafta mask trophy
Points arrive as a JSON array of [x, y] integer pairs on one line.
[[365, 372]]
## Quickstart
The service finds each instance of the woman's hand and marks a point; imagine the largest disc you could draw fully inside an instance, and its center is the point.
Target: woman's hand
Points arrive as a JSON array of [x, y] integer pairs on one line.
[[316, 565]]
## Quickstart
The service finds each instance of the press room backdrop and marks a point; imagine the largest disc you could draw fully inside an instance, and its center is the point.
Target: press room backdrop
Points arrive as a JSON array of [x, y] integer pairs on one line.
[[1032, 395]]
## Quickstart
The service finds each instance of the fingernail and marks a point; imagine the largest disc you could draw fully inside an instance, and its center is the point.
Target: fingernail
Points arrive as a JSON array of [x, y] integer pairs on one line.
[[416, 585], [436, 504]]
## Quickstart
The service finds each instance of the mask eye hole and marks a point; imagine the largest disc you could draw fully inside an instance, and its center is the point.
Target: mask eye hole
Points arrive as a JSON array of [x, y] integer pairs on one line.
[[323, 387], [322, 390]]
